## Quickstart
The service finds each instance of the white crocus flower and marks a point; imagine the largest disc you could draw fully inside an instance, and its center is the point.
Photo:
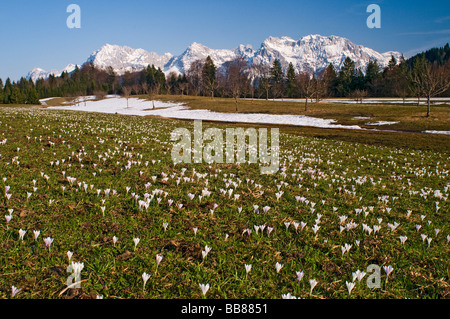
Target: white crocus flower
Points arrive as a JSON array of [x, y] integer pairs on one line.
[[278, 266], [313, 284], [145, 277], [136, 242], [350, 286], [22, 233], [204, 288]]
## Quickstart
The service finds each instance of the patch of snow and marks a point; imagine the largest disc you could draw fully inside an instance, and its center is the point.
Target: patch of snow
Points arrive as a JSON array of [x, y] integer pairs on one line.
[[178, 111], [437, 132], [47, 99], [383, 123]]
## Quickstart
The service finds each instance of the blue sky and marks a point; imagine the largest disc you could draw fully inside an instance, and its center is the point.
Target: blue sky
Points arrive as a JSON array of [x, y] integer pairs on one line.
[[35, 34]]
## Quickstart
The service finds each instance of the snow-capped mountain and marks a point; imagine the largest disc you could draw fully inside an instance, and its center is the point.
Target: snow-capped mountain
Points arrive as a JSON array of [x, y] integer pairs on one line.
[[311, 53], [123, 58], [38, 73], [196, 51]]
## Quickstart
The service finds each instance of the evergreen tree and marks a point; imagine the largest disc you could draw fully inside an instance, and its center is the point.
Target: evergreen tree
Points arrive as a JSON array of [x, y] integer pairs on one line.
[[330, 80], [346, 78], [172, 84], [209, 76], [264, 86], [33, 97], [150, 75], [392, 63], [372, 78], [112, 81], [76, 74], [160, 81], [17, 96], [290, 81], [358, 81], [7, 91], [65, 76], [439, 55], [401, 84], [372, 71], [277, 79]]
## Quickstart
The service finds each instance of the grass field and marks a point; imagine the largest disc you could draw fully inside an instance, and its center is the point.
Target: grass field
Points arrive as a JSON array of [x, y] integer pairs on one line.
[[410, 117], [84, 179], [407, 133]]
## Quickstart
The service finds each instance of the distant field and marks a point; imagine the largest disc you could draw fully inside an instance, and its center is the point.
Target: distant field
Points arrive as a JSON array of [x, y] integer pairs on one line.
[[407, 132], [410, 117], [334, 208], [405, 122]]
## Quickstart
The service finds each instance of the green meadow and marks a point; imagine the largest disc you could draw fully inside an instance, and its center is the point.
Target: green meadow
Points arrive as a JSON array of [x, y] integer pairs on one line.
[[340, 202]]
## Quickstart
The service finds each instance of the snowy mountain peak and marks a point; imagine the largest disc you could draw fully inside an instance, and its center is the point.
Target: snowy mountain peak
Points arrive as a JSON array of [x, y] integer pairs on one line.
[[311, 53], [245, 51], [38, 73], [198, 51], [195, 46], [274, 42], [124, 58]]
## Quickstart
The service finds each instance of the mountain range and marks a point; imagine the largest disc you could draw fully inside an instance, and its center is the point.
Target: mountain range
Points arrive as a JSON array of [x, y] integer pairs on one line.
[[311, 53]]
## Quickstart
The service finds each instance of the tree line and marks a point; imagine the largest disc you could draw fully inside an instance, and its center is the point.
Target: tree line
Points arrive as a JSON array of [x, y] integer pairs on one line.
[[423, 76]]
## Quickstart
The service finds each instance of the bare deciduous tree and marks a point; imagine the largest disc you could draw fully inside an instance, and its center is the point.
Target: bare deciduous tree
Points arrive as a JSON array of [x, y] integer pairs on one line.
[[430, 79], [305, 83], [321, 83], [126, 93], [99, 94], [183, 87], [236, 78], [145, 88], [263, 78], [194, 77], [359, 95]]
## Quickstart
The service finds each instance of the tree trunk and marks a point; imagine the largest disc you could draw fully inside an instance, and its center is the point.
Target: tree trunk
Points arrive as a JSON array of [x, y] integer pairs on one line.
[[236, 103], [306, 104], [428, 105]]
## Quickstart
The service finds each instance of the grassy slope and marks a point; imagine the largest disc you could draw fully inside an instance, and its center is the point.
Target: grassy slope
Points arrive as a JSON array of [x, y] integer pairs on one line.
[[76, 222]]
